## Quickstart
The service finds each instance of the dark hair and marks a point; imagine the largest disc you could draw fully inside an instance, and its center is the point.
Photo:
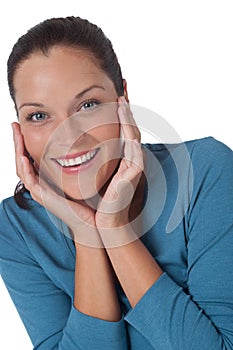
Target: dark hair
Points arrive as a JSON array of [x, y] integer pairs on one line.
[[72, 32]]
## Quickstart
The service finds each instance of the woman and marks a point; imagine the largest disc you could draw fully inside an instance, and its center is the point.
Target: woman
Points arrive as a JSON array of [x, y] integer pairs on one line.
[[83, 261]]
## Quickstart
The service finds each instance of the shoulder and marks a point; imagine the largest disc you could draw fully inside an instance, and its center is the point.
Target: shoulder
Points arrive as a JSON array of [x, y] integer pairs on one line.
[[203, 147], [212, 162], [203, 155], [210, 212], [209, 150], [28, 228], [11, 214], [195, 173], [16, 223], [211, 173], [13, 247]]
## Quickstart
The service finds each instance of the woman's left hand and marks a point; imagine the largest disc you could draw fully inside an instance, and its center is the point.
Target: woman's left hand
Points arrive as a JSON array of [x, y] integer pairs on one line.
[[113, 209]]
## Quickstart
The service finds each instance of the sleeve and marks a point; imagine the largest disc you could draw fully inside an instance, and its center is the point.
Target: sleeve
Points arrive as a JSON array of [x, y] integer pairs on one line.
[[200, 317], [47, 312]]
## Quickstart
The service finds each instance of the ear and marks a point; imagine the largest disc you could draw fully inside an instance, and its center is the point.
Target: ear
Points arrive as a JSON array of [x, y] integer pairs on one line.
[[125, 90]]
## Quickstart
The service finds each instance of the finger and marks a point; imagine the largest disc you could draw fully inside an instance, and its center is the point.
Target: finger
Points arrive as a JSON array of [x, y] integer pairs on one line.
[[128, 172], [40, 190], [46, 194], [27, 175], [19, 146], [132, 149], [20, 150], [18, 139], [73, 214], [25, 170], [127, 121], [134, 155]]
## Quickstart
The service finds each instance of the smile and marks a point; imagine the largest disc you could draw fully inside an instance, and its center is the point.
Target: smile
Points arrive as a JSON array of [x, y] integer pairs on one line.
[[71, 162]]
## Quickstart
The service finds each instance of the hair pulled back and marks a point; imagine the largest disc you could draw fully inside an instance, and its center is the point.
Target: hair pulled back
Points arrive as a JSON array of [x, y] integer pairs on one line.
[[72, 32]]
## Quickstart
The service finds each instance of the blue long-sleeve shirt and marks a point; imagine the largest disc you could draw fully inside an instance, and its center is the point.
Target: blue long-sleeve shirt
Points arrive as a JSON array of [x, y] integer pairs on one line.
[[190, 196]]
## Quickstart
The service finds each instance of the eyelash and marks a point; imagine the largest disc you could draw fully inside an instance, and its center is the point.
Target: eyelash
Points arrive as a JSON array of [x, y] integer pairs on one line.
[[89, 101], [31, 115]]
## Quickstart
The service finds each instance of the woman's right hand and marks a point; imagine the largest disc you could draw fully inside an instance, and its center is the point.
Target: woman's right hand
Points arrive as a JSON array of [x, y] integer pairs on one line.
[[79, 217]]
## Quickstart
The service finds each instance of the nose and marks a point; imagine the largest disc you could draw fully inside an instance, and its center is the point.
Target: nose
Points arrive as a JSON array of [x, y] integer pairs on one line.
[[68, 132]]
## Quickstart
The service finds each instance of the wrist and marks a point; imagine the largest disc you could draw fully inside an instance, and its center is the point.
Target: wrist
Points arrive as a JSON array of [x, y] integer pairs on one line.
[[87, 238], [112, 237]]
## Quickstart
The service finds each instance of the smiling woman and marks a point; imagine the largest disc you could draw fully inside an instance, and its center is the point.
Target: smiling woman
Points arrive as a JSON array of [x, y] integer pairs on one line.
[[50, 105], [77, 255]]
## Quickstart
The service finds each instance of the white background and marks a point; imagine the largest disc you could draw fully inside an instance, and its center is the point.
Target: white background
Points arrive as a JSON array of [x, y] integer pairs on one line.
[[177, 57]]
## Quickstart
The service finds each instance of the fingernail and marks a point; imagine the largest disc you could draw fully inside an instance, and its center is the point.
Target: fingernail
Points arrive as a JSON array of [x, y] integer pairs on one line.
[[13, 131], [122, 99]]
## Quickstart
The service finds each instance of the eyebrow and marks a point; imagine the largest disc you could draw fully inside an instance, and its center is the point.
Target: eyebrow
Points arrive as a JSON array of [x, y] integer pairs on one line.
[[88, 89], [78, 96], [32, 104]]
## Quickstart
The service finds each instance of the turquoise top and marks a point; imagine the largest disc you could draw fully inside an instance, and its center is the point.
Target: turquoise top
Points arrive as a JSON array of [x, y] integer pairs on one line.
[[188, 224]]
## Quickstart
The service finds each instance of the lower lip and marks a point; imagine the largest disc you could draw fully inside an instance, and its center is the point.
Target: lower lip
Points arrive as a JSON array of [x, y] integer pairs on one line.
[[76, 169]]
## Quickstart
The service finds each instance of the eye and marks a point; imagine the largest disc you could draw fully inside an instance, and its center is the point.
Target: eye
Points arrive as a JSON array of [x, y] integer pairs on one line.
[[89, 104], [37, 117]]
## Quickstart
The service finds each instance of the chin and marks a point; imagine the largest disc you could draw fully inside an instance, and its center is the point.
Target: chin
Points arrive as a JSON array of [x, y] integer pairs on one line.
[[77, 196], [81, 193]]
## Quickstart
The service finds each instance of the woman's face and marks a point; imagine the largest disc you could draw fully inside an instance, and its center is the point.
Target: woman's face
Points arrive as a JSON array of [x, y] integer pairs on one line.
[[67, 108]]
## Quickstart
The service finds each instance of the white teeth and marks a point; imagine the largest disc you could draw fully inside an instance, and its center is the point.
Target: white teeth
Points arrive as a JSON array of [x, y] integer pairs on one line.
[[78, 160]]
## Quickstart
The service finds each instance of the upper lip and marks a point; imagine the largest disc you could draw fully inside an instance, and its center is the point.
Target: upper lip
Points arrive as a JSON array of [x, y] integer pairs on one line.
[[75, 159], [74, 155]]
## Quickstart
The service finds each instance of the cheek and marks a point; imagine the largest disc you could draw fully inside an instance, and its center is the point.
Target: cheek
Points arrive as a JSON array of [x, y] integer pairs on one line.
[[107, 133], [112, 152], [34, 143]]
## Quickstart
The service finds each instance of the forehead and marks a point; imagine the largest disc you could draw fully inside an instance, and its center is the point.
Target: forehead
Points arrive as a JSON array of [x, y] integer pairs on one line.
[[69, 67], [60, 58]]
